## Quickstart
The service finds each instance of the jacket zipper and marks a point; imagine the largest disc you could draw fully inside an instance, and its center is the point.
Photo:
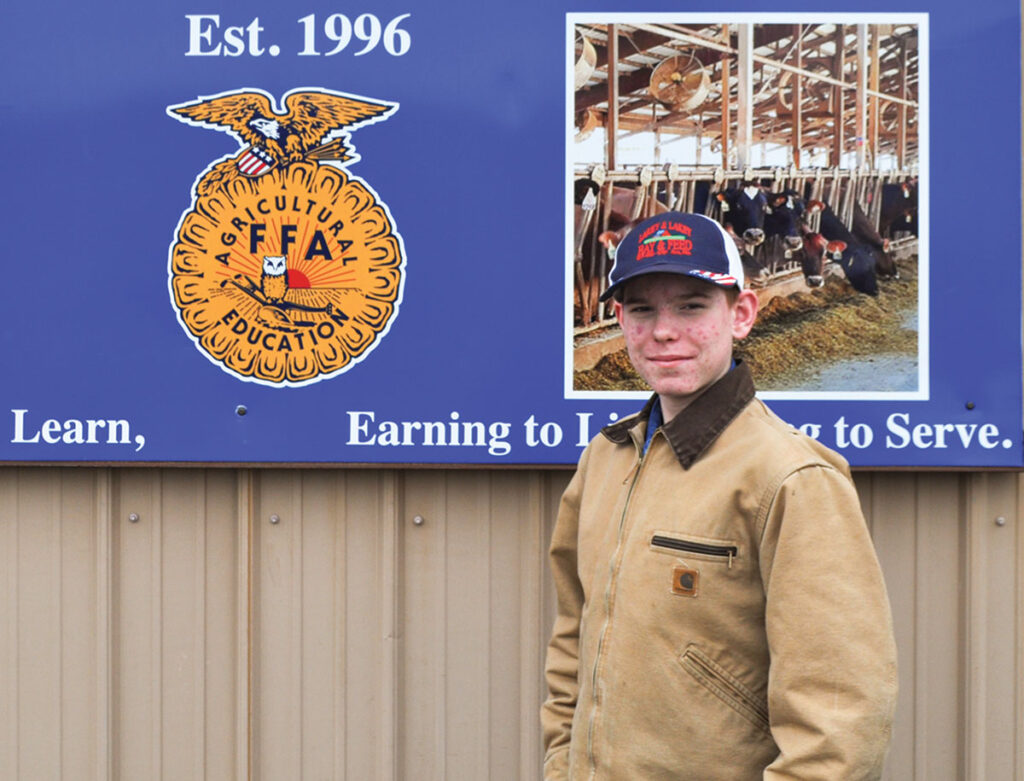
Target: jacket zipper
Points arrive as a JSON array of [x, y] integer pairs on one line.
[[695, 547], [607, 599]]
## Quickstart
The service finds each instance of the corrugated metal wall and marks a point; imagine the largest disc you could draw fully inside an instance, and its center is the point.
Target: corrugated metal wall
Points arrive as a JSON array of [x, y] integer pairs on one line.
[[300, 624]]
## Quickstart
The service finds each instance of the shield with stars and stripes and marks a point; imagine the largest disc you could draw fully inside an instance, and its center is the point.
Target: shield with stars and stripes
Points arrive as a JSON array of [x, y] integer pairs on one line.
[[256, 161]]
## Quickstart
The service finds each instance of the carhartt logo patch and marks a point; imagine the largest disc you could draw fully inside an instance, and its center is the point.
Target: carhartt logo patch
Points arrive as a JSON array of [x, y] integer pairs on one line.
[[684, 581]]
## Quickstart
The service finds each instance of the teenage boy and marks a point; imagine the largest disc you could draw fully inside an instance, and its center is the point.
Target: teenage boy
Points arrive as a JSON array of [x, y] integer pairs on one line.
[[721, 611]]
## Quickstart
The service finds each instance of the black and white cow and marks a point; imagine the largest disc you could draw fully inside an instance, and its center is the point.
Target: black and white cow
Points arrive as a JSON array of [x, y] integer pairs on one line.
[[742, 212]]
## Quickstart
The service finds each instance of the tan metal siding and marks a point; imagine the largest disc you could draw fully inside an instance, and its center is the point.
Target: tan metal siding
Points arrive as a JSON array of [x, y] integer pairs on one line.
[[174, 596], [915, 525], [472, 626], [53, 693], [324, 624], [346, 641]]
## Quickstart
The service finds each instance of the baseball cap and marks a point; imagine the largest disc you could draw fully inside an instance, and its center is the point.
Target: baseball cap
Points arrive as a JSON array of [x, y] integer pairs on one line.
[[677, 243]]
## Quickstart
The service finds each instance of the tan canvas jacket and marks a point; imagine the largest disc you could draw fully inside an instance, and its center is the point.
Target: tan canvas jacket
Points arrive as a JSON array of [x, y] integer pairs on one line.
[[721, 612]]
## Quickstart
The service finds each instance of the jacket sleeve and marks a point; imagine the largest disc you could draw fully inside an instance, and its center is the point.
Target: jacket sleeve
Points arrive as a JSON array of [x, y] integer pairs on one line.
[[832, 677], [563, 650]]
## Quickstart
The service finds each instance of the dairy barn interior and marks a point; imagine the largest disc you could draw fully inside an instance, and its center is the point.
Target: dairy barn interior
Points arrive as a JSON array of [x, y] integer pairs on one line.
[[390, 623], [684, 117]]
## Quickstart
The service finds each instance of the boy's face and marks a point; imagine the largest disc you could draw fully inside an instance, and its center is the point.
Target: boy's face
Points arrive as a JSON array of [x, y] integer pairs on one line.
[[679, 333]]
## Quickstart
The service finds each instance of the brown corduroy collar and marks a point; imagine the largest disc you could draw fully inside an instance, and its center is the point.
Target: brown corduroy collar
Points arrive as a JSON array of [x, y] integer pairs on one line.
[[699, 424]]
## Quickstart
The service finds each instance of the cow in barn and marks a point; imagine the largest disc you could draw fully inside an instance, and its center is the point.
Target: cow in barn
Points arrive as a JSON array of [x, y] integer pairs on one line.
[[813, 260], [769, 232], [898, 212], [795, 241], [856, 259], [865, 233], [584, 271], [742, 212], [788, 239]]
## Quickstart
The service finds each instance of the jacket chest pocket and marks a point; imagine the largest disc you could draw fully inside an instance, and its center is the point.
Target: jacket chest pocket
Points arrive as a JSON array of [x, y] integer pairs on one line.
[[692, 555], [721, 551]]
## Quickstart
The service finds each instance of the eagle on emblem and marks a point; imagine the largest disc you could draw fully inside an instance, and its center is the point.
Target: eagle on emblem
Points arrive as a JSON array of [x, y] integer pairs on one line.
[[312, 126]]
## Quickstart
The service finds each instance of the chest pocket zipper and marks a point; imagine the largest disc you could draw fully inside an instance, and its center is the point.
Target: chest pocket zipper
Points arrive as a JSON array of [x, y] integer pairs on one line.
[[688, 546]]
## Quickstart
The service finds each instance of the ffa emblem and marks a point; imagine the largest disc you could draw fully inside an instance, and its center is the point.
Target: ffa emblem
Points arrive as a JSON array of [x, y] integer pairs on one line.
[[287, 269]]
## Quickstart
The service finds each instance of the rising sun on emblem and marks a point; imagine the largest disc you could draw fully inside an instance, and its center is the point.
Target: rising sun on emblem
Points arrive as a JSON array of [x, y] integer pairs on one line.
[[287, 269]]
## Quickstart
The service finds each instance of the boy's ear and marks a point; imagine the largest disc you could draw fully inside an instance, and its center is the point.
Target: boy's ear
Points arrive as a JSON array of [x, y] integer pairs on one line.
[[744, 312]]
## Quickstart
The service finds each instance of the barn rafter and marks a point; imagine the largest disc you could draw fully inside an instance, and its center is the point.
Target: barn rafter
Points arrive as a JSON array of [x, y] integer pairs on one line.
[[853, 95]]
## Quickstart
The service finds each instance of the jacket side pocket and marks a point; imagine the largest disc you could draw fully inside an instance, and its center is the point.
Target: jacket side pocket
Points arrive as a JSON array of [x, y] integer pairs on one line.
[[724, 686]]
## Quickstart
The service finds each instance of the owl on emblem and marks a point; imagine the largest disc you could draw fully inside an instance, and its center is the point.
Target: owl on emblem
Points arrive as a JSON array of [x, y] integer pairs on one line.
[[273, 280]]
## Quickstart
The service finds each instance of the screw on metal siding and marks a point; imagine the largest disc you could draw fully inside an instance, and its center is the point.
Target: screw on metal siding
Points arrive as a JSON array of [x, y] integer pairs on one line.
[[1000, 521], [969, 405], [275, 519], [240, 410], [418, 520], [133, 517]]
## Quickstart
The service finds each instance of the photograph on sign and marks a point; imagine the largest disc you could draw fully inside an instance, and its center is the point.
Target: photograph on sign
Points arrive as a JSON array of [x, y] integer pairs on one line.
[[805, 137]]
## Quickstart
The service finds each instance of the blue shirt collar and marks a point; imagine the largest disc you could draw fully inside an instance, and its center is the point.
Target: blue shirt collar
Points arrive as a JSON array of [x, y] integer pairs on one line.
[[654, 422]]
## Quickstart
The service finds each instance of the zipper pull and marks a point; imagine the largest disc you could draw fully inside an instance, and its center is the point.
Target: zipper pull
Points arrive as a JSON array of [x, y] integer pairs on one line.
[[636, 464], [629, 475], [730, 558]]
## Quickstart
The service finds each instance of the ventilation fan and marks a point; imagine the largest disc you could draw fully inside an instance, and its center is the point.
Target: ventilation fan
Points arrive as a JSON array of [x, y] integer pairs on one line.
[[587, 121], [817, 95], [682, 82], [586, 59]]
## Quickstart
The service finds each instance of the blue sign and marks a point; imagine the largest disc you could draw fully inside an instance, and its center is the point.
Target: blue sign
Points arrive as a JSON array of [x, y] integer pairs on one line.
[[268, 233]]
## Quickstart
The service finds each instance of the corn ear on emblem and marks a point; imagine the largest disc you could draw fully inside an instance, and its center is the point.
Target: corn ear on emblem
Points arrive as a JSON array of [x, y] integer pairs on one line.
[[286, 269]]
